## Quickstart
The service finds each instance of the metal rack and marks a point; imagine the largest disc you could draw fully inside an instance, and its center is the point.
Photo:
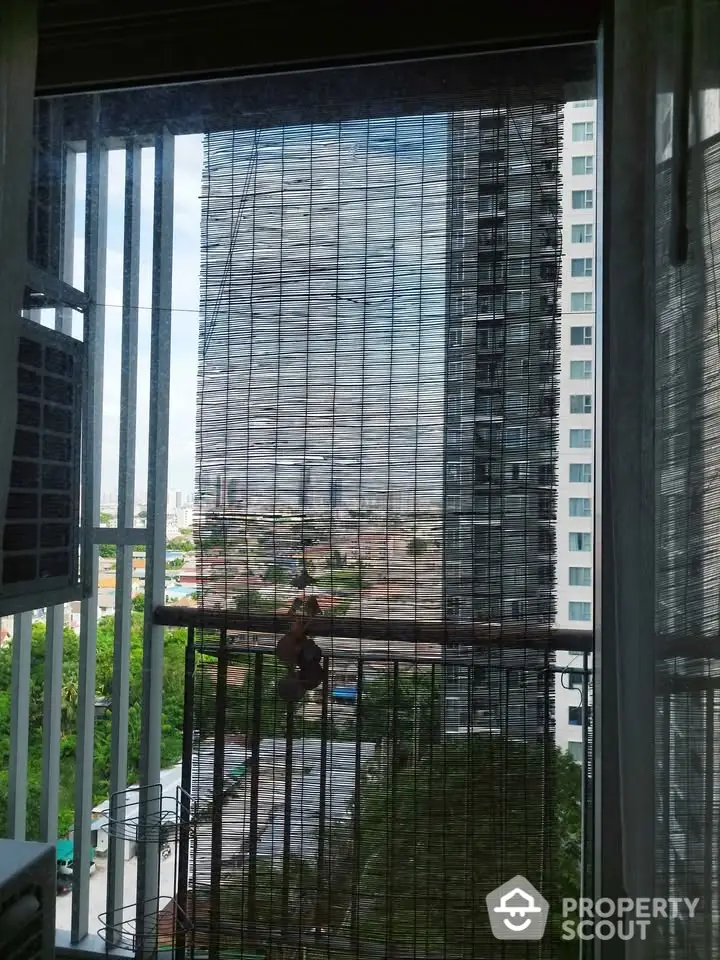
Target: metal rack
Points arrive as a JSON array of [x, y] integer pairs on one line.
[[170, 920], [149, 814]]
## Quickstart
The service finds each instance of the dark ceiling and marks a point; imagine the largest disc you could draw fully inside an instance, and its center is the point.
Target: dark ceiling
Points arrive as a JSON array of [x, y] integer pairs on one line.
[[99, 44]]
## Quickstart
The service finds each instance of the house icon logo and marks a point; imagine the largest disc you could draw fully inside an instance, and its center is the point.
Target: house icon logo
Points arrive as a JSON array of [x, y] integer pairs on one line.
[[517, 911]]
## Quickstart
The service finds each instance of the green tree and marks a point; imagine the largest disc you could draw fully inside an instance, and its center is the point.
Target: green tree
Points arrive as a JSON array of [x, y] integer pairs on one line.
[[172, 715], [138, 603], [181, 544], [107, 550], [175, 564], [409, 876], [417, 547], [106, 519], [452, 826]]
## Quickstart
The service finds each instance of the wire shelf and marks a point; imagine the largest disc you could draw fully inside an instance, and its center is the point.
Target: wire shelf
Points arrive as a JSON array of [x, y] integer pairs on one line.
[[150, 814], [166, 920]]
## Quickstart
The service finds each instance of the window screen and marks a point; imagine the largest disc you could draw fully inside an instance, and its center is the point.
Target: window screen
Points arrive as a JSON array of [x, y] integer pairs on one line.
[[346, 485]]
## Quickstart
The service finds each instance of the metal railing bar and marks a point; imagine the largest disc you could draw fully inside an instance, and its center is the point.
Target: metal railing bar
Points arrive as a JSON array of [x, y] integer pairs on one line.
[[387, 631], [322, 806], [158, 440], [19, 725], [287, 819], [255, 737], [183, 862], [216, 833], [126, 497], [94, 337], [357, 878], [239, 651], [52, 715]]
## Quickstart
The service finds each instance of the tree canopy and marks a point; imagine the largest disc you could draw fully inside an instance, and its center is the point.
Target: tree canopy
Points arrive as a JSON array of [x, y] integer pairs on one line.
[[172, 715]]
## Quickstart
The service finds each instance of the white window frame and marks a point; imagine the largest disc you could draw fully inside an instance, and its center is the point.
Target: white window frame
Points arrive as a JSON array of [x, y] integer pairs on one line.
[[587, 407], [575, 605], [588, 471], [580, 434], [581, 578], [579, 537], [582, 200], [587, 301], [586, 366], [583, 165], [587, 337], [583, 131], [587, 229], [581, 267]]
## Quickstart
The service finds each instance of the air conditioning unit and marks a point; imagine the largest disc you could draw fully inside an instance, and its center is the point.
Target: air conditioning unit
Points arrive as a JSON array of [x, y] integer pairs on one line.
[[41, 533], [27, 900]]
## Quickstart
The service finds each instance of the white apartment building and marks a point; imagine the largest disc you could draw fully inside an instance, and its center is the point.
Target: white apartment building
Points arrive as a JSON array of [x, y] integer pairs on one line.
[[576, 415]]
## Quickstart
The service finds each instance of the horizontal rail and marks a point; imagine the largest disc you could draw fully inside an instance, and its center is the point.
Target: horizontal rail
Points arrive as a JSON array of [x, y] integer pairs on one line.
[[46, 290], [386, 631], [231, 651]]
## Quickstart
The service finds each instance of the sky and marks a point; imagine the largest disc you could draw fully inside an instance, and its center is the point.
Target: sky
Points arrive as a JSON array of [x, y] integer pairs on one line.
[[185, 293]]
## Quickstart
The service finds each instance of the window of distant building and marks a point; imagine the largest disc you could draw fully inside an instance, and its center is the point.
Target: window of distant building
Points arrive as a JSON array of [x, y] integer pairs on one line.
[[581, 302], [580, 576], [581, 233], [583, 132], [582, 199], [581, 542], [581, 336], [581, 403], [580, 439], [575, 718], [580, 473], [580, 506], [579, 369], [581, 267], [582, 165]]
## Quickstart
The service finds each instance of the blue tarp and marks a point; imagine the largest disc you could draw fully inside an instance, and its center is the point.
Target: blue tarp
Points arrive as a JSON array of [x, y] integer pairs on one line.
[[345, 693]]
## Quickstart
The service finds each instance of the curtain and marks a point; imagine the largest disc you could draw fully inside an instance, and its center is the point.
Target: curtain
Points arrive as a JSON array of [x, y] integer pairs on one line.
[[687, 571], [377, 451]]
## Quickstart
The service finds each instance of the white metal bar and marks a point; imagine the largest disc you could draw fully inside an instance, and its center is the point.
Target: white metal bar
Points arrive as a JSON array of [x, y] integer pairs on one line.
[[161, 325], [19, 725], [94, 336], [126, 498], [55, 622], [52, 711]]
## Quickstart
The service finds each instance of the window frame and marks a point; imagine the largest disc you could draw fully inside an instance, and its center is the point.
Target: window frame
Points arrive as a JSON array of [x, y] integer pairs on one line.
[[587, 228], [589, 471], [587, 302], [585, 366]]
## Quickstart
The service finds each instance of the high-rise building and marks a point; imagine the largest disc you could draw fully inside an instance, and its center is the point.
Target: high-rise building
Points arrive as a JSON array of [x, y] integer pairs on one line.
[[574, 574], [501, 399]]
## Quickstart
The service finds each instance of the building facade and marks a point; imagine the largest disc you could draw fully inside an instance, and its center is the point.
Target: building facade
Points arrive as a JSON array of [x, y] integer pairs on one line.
[[576, 415], [503, 365]]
